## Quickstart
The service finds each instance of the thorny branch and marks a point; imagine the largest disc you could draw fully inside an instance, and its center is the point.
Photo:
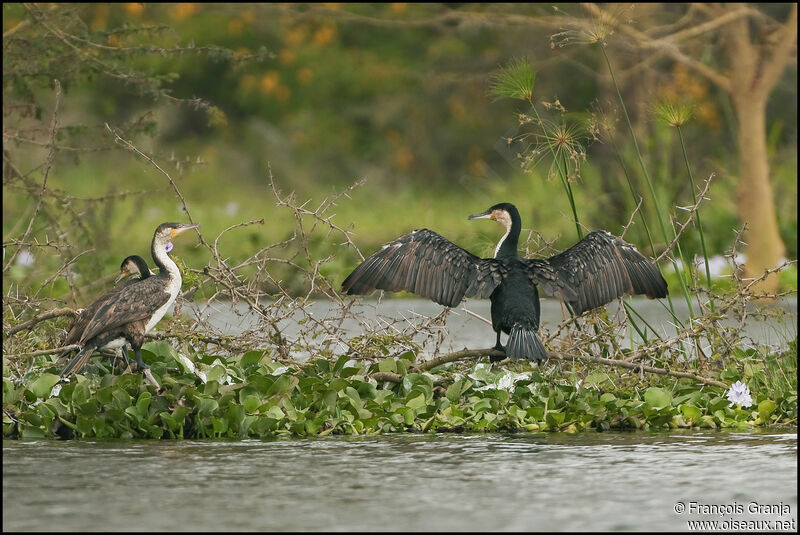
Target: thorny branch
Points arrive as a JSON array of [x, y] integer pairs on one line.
[[311, 318]]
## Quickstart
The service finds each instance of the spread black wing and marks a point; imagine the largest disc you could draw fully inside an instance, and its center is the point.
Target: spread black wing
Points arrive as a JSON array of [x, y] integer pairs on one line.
[[595, 271], [134, 302], [427, 264]]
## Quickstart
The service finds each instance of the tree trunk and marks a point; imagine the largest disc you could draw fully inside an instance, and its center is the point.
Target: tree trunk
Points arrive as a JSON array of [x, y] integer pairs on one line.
[[765, 247]]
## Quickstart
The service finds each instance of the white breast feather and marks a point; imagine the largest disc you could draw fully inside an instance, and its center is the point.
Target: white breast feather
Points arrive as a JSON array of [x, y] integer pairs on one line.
[[173, 287]]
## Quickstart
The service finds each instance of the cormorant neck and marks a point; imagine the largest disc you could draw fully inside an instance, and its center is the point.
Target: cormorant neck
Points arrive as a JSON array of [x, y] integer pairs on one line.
[[507, 246], [163, 261]]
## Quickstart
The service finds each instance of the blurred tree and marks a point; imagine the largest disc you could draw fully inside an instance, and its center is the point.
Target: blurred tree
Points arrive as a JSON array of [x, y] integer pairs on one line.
[[754, 50]]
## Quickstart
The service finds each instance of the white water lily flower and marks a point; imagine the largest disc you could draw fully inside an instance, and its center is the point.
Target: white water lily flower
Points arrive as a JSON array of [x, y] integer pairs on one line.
[[739, 393]]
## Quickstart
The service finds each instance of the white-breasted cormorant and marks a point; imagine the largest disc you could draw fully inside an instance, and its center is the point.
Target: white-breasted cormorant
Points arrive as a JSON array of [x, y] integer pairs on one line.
[[126, 314], [593, 272]]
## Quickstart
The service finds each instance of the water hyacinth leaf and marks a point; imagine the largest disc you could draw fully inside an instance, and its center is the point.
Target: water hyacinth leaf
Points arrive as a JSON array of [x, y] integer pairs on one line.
[[84, 425], [690, 411], [122, 400], [251, 403], [206, 406], [454, 391], [10, 395], [215, 373], [160, 349], [416, 402], [143, 403], [597, 377], [340, 362], [352, 393], [284, 383], [323, 366], [765, 409], [251, 358], [42, 386], [235, 415], [339, 384], [89, 408], [387, 365], [658, 397], [104, 395], [275, 412]]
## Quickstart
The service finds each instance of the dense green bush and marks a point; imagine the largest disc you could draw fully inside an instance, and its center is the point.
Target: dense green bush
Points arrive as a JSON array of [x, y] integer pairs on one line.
[[254, 396]]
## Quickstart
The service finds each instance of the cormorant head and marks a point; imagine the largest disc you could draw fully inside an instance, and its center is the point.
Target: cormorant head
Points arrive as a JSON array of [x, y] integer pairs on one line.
[[504, 213], [131, 267], [166, 231]]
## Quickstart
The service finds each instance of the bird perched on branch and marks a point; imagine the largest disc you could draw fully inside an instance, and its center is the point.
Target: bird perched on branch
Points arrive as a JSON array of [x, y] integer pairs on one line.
[[133, 267], [593, 272], [126, 314]]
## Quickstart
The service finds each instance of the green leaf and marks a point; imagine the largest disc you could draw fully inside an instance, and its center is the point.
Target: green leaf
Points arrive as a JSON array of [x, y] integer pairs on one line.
[[765, 410], [387, 365], [251, 403], [143, 403], [42, 386], [251, 358], [690, 411], [416, 402], [658, 397], [340, 362]]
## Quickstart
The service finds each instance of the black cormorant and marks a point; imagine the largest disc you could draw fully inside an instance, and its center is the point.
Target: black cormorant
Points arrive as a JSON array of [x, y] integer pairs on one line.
[[593, 272], [126, 314]]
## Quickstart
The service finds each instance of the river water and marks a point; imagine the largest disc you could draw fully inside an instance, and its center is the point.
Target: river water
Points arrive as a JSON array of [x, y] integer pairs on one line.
[[527, 482], [463, 329]]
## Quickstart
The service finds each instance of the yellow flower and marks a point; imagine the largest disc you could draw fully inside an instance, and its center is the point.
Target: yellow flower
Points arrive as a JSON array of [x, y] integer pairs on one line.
[[182, 11], [287, 56], [235, 27], [134, 8], [324, 35], [305, 75], [270, 81]]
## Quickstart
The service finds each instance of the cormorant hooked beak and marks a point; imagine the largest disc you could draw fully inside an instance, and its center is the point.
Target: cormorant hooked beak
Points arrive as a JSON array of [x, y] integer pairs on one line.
[[182, 229], [122, 275], [485, 215]]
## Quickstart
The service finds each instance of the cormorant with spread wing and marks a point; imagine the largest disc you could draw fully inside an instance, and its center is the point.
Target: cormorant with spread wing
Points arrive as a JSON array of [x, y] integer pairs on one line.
[[593, 272], [126, 314]]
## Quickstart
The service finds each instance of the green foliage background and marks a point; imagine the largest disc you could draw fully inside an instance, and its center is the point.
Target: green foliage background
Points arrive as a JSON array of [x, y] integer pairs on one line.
[[325, 94]]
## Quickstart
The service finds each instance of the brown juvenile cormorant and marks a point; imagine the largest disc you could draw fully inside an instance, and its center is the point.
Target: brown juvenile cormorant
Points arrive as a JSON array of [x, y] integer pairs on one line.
[[134, 267], [593, 272], [126, 314]]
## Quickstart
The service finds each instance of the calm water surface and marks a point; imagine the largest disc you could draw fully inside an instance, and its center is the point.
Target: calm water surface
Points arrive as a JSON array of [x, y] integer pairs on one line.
[[531, 482], [464, 330]]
